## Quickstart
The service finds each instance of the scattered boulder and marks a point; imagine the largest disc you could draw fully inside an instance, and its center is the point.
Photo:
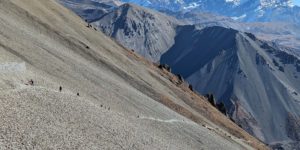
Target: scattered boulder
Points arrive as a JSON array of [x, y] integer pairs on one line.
[[221, 107], [293, 126], [30, 82], [191, 87], [211, 99], [232, 119], [250, 35], [180, 78], [281, 69], [277, 146], [165, 66], [89, 25]]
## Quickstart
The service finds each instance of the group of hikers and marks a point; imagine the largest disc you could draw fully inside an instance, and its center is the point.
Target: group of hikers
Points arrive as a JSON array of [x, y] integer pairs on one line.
[[30, 82], [60, 90], [90, 26]]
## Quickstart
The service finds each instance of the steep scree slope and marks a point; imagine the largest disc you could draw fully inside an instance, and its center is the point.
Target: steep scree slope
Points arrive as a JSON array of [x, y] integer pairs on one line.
[[119, 104]]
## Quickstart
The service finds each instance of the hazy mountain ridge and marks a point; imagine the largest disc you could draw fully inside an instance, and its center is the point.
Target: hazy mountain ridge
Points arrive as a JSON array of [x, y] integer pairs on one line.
[[91, 9], [246, 10]]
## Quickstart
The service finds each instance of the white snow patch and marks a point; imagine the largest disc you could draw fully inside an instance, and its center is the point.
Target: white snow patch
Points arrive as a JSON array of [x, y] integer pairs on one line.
[[239, 18], [191, 6]]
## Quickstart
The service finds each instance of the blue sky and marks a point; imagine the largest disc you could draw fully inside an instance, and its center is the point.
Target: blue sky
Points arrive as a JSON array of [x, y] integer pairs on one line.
[[297, 2]]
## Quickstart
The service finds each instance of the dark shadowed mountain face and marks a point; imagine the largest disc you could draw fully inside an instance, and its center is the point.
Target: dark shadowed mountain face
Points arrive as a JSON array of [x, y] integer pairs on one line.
[[258, 83], [182, 52], [198, 47]]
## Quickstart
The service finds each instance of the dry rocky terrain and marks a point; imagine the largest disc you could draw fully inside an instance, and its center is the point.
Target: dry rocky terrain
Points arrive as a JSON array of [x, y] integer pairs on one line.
[[125, 102]]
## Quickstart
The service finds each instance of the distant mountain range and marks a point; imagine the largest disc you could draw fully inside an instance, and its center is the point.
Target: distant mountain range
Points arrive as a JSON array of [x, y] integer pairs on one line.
[[280, 33], [242, 10], [256, 75]]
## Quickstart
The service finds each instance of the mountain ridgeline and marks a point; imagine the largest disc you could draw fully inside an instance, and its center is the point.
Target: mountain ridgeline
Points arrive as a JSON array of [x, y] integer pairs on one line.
[[244, 73], [242, 10], [258, 82], [129, 22]]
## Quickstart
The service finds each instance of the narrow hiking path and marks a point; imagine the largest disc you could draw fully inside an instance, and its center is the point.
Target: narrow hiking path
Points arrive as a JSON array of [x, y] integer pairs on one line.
[[211, 129], [168, 120], [21, 86]]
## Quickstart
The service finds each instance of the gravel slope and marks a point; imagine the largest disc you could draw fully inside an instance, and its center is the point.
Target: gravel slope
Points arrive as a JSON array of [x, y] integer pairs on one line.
[[118, 106]]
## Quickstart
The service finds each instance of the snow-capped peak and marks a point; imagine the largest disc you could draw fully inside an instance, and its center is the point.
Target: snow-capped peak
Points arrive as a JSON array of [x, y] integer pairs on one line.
[[242, 10], [263, 3], [274, 3]]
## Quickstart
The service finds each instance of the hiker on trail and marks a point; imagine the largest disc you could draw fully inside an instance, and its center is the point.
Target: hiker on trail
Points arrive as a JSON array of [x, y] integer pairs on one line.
[[31, 82], [60, 88], [89, 25]]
